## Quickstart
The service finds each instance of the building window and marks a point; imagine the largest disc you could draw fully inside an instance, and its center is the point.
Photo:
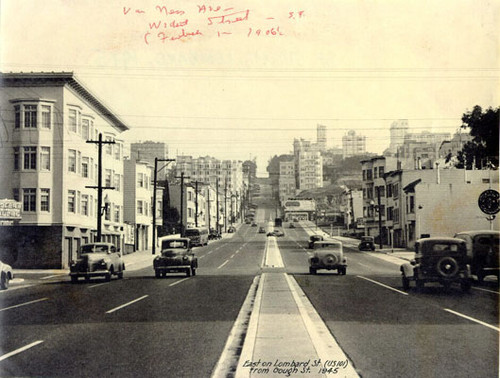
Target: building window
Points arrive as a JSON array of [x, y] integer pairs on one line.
[[85, 129], [46, 117], [85, 167], [30, 116], [45, 158], [389, 190], [381, 171], [71, 201], [140, 180], [15, 194], [29, 199], [412, 204], [395, 191], [107, 214], [29, 157], [140, 207], [117, 182], [72, 120], [117, 151], [117, 214], [71, 160], [16, 158], [17, 122], [107, 177], [85, 204], [45, 200], [109, 147]]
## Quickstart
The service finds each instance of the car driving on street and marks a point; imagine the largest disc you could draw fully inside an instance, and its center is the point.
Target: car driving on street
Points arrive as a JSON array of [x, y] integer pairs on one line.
[[176, 256], [328, 255], [97, 259], [442, 260], [367, 243]]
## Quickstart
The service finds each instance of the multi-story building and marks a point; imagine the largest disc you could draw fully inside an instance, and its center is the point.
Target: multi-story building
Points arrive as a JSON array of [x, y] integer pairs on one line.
[[138, 202], [287, 180], [187, 207], [353, 145], [308, 165], [310, 170], [374, 192], [148, 151], [321, 137], [49, 165]]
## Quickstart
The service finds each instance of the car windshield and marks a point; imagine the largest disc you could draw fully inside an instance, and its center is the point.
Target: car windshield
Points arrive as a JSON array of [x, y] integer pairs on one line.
[[192, 232], [366, 239], [91, 248], [173, 244]]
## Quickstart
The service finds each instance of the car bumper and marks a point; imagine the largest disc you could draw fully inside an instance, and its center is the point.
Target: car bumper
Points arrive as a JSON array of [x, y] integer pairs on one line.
[[172, 268], [95, 273]]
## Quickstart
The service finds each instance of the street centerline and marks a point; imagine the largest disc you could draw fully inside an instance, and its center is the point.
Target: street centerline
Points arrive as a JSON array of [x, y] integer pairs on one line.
[[17, 351], [126, 304], [224, 263], [381, 284], [488, 291], [472, 319], [23, 304], [177, 282]]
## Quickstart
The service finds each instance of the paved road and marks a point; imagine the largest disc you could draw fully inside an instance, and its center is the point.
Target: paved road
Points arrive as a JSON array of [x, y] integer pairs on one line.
[[178, 326]]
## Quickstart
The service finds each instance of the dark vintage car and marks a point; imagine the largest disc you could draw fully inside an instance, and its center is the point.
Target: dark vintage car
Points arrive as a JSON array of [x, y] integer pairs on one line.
[[231, 230], [291, 225], [482, 252], [254, 224], [176, 256], [97, 259], [367, 243], [328, 255], [262, 230], [6, 275], [313, 239], [442, 260]]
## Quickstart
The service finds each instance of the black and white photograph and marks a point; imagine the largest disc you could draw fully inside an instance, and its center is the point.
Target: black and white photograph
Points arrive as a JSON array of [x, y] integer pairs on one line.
[[249, 189]]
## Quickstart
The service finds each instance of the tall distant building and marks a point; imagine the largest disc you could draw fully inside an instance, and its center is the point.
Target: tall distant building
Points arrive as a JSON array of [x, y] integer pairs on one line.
[[287, 180], [353, 144], [399, 129], [148, 151], [321, 137]]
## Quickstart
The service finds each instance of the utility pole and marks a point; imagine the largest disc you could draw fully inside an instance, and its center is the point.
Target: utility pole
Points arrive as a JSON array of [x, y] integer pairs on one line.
[[208, 206], [217, 202], [196, 203], [99, 186], [225, 203], [182, 177], [379, 218], [153, 248]]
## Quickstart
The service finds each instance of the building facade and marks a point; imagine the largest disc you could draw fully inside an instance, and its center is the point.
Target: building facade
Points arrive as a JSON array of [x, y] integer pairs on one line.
[[287, 180], [50, 164], [353, 144], [148, 151]]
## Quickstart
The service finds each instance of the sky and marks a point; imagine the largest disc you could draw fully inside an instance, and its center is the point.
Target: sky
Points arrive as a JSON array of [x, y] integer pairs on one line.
[[242, 79]]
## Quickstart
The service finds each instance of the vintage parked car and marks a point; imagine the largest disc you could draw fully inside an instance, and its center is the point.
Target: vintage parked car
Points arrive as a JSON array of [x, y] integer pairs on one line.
[[176, 256], [442, 260], [313, 239], [254, 224], [97, 259], [482, 252], [262, 230], [231, 230], [6, 275], [367, 243], [292, 225], [328, 255]]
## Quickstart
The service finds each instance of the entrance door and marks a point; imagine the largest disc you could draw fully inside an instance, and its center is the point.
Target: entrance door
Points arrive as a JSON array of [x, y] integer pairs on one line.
[[68, 246]]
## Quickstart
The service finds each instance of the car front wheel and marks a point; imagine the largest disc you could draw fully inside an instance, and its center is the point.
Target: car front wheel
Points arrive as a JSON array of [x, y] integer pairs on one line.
[[312, 270], [465, 285], [406, 282], [157, 273]]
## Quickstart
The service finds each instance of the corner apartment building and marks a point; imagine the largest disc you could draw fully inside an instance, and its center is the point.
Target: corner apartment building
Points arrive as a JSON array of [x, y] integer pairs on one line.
[[48, 165]]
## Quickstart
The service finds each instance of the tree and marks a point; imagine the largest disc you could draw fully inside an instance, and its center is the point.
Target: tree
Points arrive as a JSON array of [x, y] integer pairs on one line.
[[484, 128]]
